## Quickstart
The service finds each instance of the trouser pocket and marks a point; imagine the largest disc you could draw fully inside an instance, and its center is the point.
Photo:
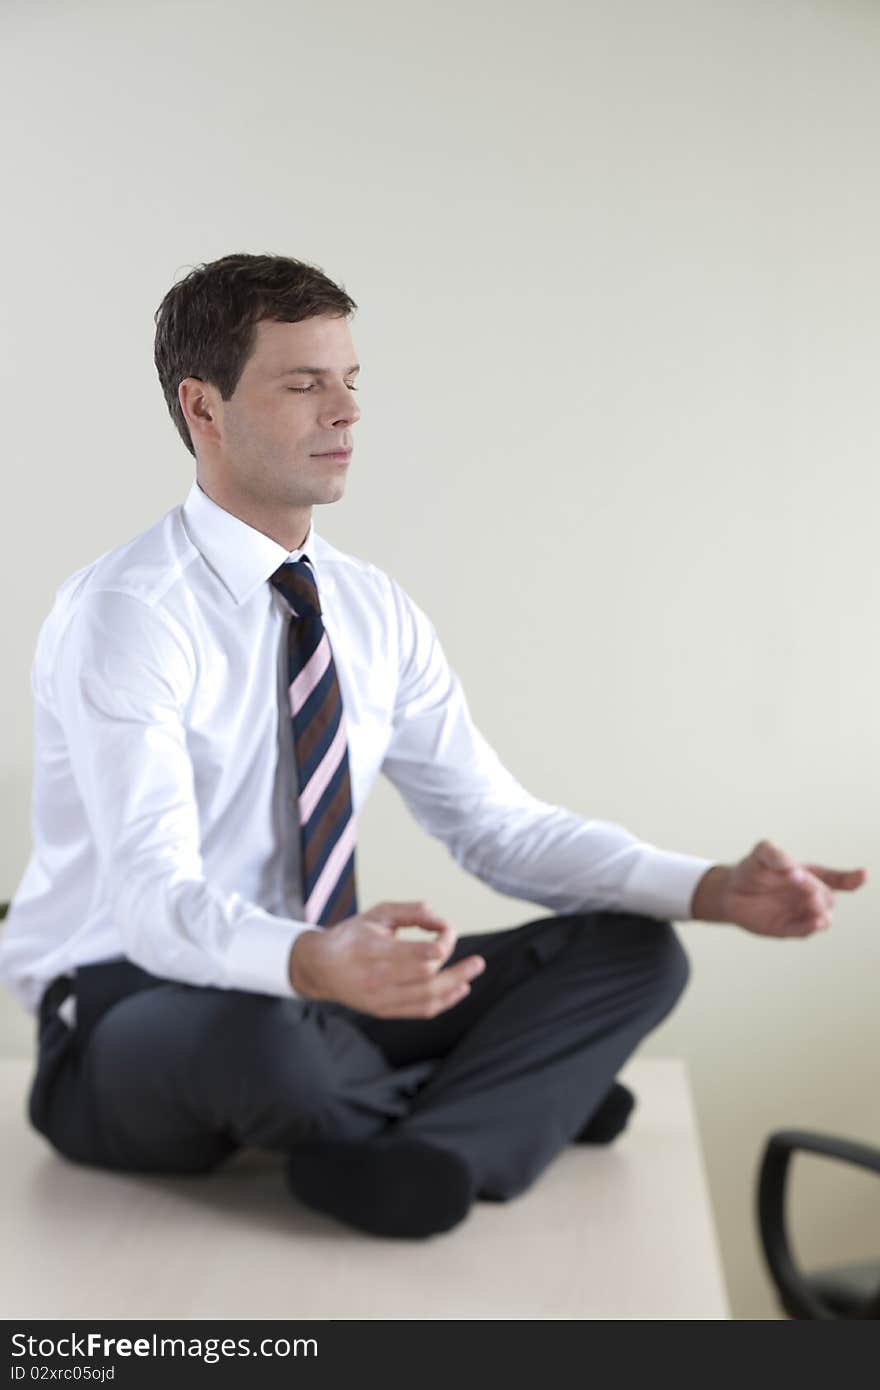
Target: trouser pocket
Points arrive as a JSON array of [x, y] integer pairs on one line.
[[60, 1105], [53, 1051], [101, 985]]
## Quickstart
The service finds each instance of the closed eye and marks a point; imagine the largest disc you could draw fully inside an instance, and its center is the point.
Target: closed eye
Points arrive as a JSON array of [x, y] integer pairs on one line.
[[300, 390]]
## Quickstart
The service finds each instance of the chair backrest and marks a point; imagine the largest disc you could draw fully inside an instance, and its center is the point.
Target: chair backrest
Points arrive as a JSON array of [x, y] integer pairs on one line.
[[800, 1295]]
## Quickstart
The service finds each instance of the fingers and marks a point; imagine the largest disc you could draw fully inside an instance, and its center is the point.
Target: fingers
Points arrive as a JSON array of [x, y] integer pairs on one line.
[[395, 963], [817, 886], [805, 926], [814, 896], [842, 880], [770, 856], [428, 998], [444, 943], [393, 915], [406, 914], [813, 902]]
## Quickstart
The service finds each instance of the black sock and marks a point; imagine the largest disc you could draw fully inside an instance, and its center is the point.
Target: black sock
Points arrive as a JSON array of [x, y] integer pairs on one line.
[[387, 1186], [610, 1118]]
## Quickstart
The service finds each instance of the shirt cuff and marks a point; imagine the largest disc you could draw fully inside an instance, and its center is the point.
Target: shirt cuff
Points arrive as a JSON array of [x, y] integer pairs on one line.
[[258, 959], [663, 883]]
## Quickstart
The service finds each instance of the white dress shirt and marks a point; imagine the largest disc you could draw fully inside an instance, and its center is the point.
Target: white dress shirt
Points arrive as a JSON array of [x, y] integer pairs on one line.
[[164, 823]]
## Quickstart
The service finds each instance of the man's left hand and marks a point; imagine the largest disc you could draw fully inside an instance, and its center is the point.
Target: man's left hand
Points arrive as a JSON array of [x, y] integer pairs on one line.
[[771, 894]]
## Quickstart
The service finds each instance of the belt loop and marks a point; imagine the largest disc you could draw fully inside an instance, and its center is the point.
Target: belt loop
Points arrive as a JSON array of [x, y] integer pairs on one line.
[[55, 996]]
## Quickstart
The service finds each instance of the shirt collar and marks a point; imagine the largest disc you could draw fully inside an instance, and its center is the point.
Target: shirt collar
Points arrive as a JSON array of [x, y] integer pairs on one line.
[[242, 557]]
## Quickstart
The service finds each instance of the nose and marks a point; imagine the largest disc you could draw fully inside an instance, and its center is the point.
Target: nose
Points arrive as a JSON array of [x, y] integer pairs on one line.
[[340, 408]]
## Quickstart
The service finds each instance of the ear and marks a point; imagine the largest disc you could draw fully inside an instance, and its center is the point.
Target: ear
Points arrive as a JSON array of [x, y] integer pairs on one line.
[[202, 408]]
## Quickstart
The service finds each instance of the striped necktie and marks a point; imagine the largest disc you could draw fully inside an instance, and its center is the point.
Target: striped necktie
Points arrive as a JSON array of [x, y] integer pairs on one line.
[[326, 818]]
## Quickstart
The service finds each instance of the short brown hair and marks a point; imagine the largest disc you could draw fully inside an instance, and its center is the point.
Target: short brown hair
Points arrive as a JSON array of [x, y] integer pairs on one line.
[[207, 322]]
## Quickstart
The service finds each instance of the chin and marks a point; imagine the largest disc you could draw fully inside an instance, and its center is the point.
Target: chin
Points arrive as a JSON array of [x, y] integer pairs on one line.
[[332, 495]]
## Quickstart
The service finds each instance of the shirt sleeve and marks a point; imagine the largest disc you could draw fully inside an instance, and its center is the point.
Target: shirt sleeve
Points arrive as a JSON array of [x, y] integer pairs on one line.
[[459, 791], [122, 679]]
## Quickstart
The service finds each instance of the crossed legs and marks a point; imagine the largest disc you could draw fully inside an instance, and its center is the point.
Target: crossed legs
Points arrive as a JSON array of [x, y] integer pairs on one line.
[[176, 1077]]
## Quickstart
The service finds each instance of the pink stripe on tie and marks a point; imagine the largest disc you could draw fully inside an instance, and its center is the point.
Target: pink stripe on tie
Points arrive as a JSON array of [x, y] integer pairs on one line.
[[311, 794], [302, 687], [329, 875]]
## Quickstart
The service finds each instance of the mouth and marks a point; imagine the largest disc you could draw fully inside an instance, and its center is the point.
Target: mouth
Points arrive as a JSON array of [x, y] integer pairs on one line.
[[334, 454]]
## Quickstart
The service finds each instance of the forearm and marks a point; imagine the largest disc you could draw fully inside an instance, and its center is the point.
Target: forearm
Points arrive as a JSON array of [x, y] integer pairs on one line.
[[710, 895], [302, 964], [188, 928], [549, 855]]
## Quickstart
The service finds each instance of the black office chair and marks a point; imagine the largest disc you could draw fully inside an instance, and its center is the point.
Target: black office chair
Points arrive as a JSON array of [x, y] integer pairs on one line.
[[848, 1292]]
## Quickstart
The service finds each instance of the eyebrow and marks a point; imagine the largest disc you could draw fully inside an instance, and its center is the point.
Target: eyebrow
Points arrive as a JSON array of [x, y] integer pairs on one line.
[[317, 371]]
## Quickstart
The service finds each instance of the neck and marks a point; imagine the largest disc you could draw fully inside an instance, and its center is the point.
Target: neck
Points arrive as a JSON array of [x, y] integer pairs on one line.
[[287, 526]]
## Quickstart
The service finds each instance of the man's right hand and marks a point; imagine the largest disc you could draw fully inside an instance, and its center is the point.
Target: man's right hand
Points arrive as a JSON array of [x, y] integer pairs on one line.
[[361, 963]]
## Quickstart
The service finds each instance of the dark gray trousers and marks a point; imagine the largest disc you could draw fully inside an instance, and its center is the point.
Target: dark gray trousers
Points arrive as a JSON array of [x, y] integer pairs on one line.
[[159, 1076]]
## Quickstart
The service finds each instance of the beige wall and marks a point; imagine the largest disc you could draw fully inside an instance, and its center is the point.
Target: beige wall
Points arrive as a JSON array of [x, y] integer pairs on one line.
[[619, 300]]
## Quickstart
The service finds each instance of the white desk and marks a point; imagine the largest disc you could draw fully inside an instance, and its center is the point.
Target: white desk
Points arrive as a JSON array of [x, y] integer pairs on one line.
[[610, 1233]]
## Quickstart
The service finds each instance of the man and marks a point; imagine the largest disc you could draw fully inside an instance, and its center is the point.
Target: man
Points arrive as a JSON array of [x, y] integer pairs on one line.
[[213, 701]]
